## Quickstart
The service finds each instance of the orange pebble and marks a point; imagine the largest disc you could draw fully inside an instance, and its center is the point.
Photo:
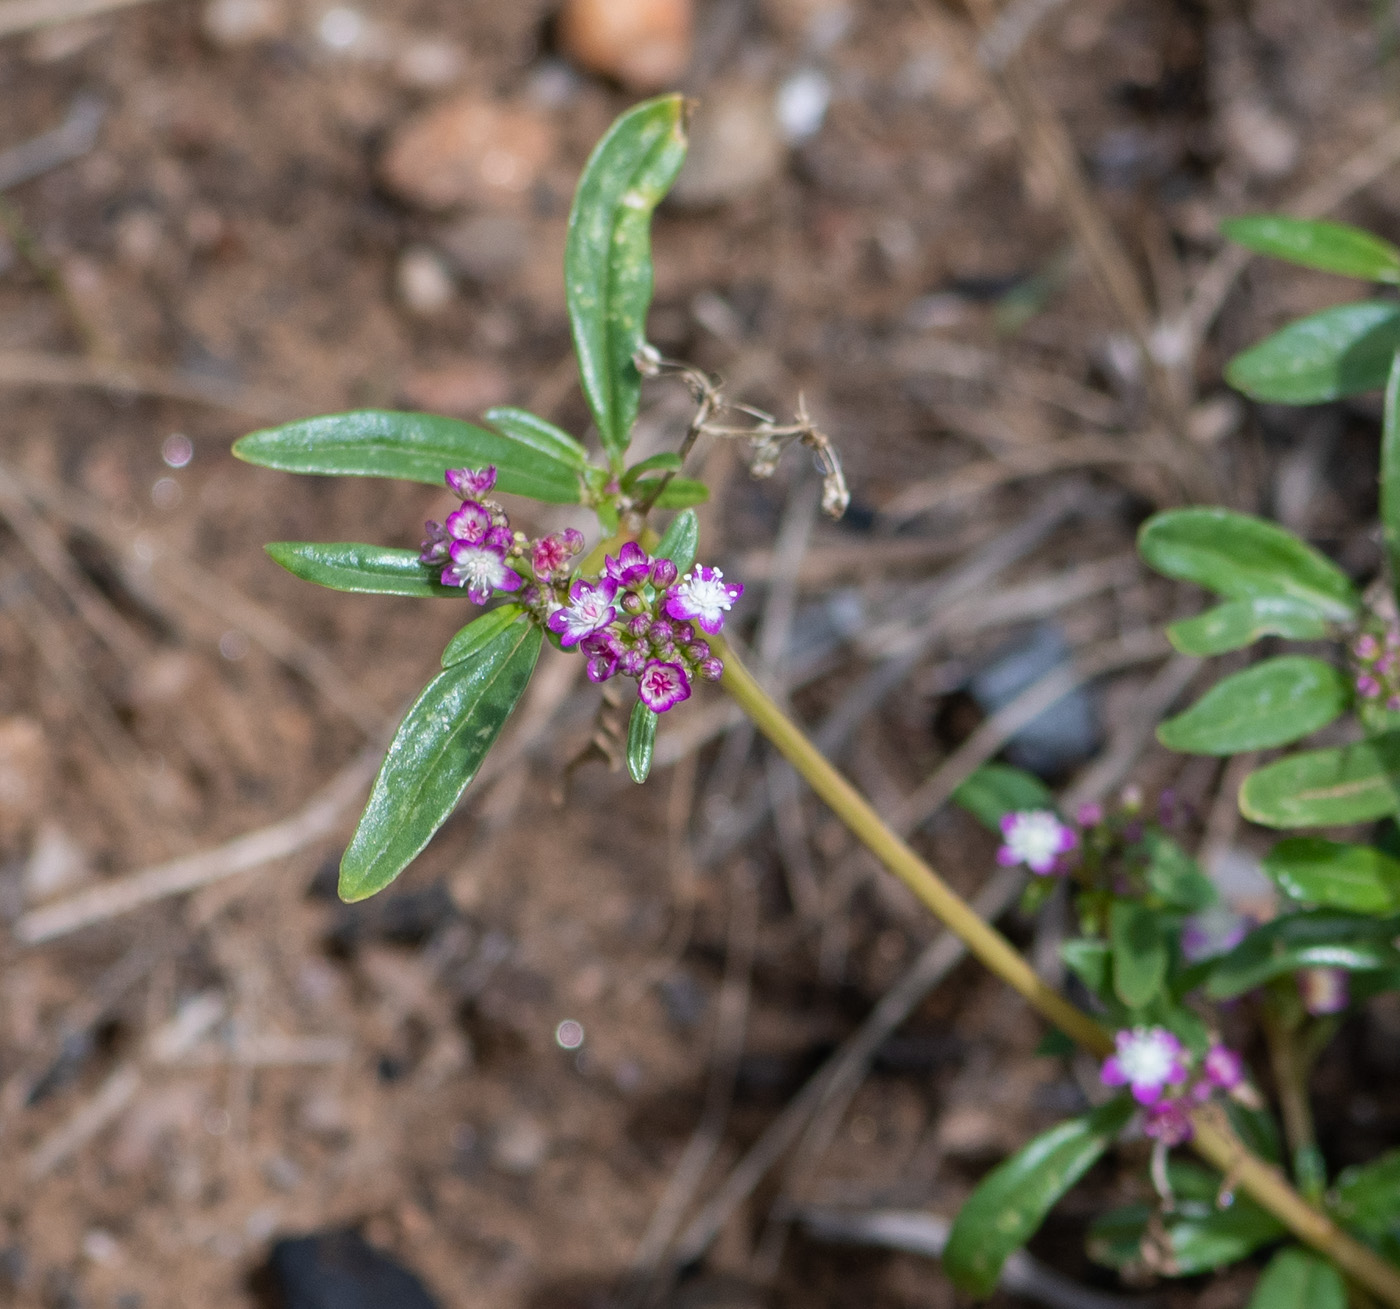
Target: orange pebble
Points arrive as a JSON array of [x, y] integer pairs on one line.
[[644, 44]]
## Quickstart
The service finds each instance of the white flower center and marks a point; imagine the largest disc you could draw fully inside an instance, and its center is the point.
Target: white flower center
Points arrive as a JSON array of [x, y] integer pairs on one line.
[[1148, 1058], [1036, 837], [709, 594], [480, 566]]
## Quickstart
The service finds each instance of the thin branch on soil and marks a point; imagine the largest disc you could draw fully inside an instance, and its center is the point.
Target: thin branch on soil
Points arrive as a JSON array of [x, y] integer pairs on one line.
[[70, 140], [317, 820], [30, 15]]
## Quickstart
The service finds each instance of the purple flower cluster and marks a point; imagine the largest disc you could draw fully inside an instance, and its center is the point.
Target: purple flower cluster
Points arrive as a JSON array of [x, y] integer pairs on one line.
[[1376, 667], [1165, 1080], [638, 618]]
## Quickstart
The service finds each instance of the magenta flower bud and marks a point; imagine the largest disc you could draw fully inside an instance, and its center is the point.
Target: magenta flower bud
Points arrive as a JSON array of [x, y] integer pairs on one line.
[[1393, 704], [640, 625], [1168, 1122], [1367, 687], [661, 632], [436, 543], [470, 483], [1224, 1069], [663, 573], [632, 662], [711, 669], [1323, 990], [631, 567], [1366, 646], [632, 603], [1089, 815], [697, 651]]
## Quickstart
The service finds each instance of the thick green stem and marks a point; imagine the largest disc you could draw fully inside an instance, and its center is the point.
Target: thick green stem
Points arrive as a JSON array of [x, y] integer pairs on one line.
[[1213, 1140]]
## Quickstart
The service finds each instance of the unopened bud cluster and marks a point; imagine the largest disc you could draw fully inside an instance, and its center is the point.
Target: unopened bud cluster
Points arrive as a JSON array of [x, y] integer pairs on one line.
[[1375, 659], [638, 618]]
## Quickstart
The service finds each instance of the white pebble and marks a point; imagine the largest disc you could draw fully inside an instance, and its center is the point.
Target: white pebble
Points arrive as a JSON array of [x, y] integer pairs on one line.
[[802, 103]]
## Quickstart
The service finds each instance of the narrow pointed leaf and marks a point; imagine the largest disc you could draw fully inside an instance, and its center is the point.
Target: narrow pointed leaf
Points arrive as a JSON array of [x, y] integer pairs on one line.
[[1273, 703], [536, 432], [1299, 1279], [1313, 939], [1338, 352], [1011, 1202], [1390, 471], [679, 493], [434, 756], [641, 741], [1241, 557], [412, 447], [996, 790], [607, 258], [1326, 788], [1328, 247], [1238, 623], [1139, 952], [666, 462], [680, 541], [1368, 1196], [354, 566], [1354, 878], [479, 632], [1174, 876]]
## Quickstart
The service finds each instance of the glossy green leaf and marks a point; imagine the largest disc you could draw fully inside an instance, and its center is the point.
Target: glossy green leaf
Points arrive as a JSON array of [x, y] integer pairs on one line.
[[680, 541], [1328, 247], [353, 566], [1240, 557], [679, 493], [1139, 952], [1273, 703], [434, 756], [1011, 1202], [478, 632], [1312, 939], [1357, 879], [1366, 1197], [538, 433], [1390, 471], [1338, 352], [996, 790], [607, 258], [1299, 1279], [1326, 788], [1238, 623], [1090, 960], [1174, 876], [413, 447], [641, 741], [1199, 1235]]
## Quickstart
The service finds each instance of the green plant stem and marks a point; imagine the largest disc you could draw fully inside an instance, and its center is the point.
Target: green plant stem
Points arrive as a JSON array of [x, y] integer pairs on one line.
[[1214, 1140], [1291, 1065]]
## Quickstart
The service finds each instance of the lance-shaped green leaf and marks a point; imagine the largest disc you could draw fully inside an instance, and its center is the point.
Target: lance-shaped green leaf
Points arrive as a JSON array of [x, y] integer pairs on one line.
[[532, 430], [607, 258], [678, 493], [1390, 471], [434, 756], [996, 790], [1091, 961], [353, 566], [1238, 623], [1174, 876], [1328, 247], [1316, 938], [1299, 1279], [680, 541], [1357, 879], [1367, 1196], [1139, 952], [1338, 352], [665, 462], [1200, 1236], [641, 741], [1273, 703], [1240, 557], [412, 447], [478, 632], [1011, 1202], [1326, 788]]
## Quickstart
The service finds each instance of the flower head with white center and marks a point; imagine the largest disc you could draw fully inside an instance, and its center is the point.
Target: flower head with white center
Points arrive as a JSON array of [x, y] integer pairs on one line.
[[481, 569], [1148, 1060], [662, 685], [704, 597], [470, 523], [590, 609], [1036, 838]]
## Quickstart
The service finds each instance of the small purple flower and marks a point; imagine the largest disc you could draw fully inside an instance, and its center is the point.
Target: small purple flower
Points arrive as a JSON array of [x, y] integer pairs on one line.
[[704, 596], [1147, 1059], [1366, 646], [601, 667], [470, 523], [632, 566], [481, 569], [1169, 1122], [1323, 990], [662, 685], [1089, 815], [1036, 838], [663, 573], [552, 553], [1223, 1069], [471, 483], [590, 607], [1367, 687], [436, 543], [1211, 932], [711, 669]]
